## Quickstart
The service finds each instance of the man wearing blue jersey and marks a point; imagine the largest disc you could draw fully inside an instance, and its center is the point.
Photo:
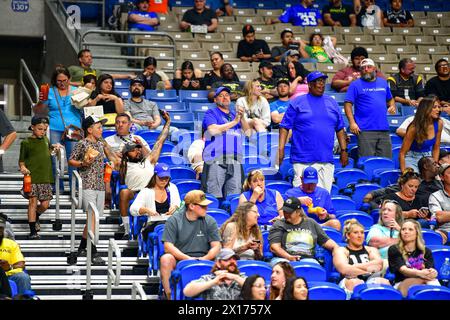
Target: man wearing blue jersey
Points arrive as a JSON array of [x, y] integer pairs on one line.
[[141, 19], [302, 15], [314, 119], [222, 129], [369, 96]]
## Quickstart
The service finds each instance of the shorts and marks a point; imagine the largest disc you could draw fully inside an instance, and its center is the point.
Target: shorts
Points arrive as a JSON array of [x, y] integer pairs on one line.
[[348, 292], [42, 191]]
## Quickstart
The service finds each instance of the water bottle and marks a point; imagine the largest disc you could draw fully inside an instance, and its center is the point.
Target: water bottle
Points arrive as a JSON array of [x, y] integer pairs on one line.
[[133, 128], [445, 272]]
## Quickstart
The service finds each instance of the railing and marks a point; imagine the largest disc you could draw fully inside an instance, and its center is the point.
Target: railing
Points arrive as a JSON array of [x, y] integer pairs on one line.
[[84, 44], [137, 288], [76, 203], [60, 157], [92, 239], [113, 277], [24, 71]]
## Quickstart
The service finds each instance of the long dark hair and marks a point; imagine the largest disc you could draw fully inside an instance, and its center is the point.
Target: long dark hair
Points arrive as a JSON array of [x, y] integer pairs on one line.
[[288, 293], [151, 184], [288, 271], [422, 119], [58, 70], [100, 80], [246, 291], [298, 71]]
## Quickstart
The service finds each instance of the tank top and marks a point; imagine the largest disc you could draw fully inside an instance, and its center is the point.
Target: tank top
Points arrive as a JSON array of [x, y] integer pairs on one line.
[[427, 145], [163, 207], [267, 208], [357, 257]]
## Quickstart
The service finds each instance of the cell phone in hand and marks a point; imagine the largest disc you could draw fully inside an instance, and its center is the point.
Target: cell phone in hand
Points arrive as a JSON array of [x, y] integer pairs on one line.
[[257, 241], [425, 210]]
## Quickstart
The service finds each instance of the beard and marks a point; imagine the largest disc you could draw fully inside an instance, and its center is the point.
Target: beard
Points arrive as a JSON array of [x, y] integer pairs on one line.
[[139, 158], [232, 268], [370, 76], [136, 93]]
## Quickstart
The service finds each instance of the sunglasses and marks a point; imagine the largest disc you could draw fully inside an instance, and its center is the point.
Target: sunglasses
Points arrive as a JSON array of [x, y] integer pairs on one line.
[[390, 201]]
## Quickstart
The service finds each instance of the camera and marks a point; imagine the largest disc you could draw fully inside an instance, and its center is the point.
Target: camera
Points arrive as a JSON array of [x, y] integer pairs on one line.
[[294, 46]]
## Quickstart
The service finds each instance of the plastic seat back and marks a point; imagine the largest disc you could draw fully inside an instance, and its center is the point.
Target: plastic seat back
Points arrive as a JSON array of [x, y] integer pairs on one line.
[[325, 291], [309, 271], [257, 267], [365, 219]]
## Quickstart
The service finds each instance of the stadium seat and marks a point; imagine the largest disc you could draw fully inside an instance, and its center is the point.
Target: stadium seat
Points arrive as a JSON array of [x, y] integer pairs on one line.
[[439, 256], [360, 190], [280, 186], [266, 246], [190, 273], [182, 172], [171, 106], [333, 234], [124, 93], [369, 164], [431, 237], [194, 96], [338, 165], [285, 168], [375, 292], [219, 215], [172, 159], [234, 203], [167, 146], [182, 120], [185, 186], [365, 219], [343, 203], [149, 136], [249, 150], [161, 95], [325, 291], [309, 271], [428, 292], [395, 152], [108, 133], [346, 176], [385, 177], [257, 267], [334, 190], [122, 84], [271, 174]]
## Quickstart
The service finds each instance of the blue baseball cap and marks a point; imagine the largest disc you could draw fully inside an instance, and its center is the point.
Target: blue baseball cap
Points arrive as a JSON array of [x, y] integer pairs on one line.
[[220, 89], [162, 170], [315, 75], [310, 175]]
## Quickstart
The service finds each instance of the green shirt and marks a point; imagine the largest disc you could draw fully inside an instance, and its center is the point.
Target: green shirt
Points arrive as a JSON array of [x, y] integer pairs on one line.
[[77, 73], [35, 153], [318, 53]]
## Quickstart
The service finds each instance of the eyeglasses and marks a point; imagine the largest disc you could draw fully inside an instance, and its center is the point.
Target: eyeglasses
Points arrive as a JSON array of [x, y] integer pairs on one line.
[[203, 207], [445, 65], [62, 81]]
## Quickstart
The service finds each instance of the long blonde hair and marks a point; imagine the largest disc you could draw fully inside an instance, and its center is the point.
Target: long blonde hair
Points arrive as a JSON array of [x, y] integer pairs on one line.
[[248, 93], [348, 227], [239, 217], [420, 243], [257, 173]]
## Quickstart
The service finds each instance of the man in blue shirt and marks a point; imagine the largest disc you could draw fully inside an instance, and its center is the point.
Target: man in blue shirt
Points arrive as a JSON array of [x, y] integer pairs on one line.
[[141, 19], [318, 197], [221, 7], [369, 95], [314, 119], [300, 15], [222, 129], [279, 107]]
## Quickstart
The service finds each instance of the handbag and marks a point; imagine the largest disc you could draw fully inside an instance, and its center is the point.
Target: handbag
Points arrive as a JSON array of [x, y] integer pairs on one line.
[[71, 132]]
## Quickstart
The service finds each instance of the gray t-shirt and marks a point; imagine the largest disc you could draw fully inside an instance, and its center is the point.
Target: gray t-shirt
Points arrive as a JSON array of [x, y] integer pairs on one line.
[[440, 201], [191, 237], [145, 110], [299, 239]]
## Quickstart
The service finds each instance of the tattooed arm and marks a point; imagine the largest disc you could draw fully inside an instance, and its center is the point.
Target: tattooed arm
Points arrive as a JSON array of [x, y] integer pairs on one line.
[[153, 156], [229, 235], [110, 153]]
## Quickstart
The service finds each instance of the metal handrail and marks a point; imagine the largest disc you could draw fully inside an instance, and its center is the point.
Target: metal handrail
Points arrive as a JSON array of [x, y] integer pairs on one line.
[[84, 44], [23, 90], [92, 239], [137, 288], [60, 156], [76, 203], [113, 277]]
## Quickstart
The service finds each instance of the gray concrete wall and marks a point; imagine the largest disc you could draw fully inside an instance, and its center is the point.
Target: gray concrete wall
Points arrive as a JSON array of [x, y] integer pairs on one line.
[[16, 23]]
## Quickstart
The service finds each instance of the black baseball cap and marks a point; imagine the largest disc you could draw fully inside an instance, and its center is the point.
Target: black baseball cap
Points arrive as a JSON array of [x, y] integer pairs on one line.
[[91, 120], [283, 80], [137, 80], [266, 64], [291, 204], [38, 120]]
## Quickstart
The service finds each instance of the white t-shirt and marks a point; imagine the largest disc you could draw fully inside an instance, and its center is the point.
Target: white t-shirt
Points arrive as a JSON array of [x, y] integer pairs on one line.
[[139, 174], [117, 142], [196, 148], [260, 110], [445, 136]]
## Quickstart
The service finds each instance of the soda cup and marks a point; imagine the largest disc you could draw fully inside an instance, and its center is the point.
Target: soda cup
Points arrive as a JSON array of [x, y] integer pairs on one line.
[[108, 172], [26, 183], [43, 92]]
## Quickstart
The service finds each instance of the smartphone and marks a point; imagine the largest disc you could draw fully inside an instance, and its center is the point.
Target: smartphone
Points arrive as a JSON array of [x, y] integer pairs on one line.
[[161, 112], [257, 241], [425, 210]]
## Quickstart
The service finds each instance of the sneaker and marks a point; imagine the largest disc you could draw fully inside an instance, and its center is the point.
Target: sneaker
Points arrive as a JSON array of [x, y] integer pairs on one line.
[[24, 194], [122, 228], [97, 260], [34, 236], [126, 236], [82, 253], [38, 226]]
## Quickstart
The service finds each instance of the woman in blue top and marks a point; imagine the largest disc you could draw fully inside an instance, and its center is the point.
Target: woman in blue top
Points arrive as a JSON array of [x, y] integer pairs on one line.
[[269, 202], [423, 135], [59, 102]]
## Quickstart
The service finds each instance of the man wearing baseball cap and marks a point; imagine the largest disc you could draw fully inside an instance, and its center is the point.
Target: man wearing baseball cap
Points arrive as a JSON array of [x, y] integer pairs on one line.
[[310, 194], [189, 234], [144, 113], [224, 282], [439, 203], [279, 107], [223, 128], [314, 119], [251, 49], [267, 81], [295, 237], [371, 99]]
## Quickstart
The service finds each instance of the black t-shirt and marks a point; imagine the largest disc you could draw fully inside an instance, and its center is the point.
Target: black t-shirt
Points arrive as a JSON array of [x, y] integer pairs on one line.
[[5, 125], [341, 14], [427, 188], [358, 257], [417, 203], [108, 106], [246, 49], [178, 84], [211, 77], [193, 17], [397, 17], [235, 86], [438, 87], [269, 85], [413, 86], [416, 260]]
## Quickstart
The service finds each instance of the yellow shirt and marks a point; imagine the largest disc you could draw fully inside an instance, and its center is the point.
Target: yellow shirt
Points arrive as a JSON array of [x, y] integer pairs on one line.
[[10, 251]]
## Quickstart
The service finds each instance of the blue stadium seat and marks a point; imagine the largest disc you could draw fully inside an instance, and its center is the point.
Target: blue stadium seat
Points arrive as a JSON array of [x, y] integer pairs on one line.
[[167, 147], [249, 150], [193, 95], [439, 256], [124, 93], [334, 190], [183, 120], [428, 292], [426, 5], [379, 292], [431, 237], [333, 234], [365, 219], [108, 133], [161, 95], [186, 138], [182, 172], [271, 174], [266, 246], [280, 186], [343, 203], [285, 168], [369, 164], [172, 106], [339, 97], [14, 289], [395, 152], [215, 203], [325, 291], [190, 273], [122, 84], [395, 122], [361, 189], [396, 140], [254, 162], [149, 136], [385, 177], [234, 203], [185, 186], [219, 215], [309, 271], [338, 165], [346, 176], [257, 267], [201, 107], [172, 159]]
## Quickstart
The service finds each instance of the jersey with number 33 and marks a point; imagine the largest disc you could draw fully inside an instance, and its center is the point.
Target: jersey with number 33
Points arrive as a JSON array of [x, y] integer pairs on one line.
[[300, 16]]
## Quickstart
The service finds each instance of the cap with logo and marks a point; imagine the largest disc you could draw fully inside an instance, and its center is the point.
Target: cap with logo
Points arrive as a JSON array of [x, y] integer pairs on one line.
[[38, 120], [196, 197], [136, 80], [91, 120], [310, 175], [367, 62], [226, 253], [220, 89], [291, 204], [162, 170], [313, 76]]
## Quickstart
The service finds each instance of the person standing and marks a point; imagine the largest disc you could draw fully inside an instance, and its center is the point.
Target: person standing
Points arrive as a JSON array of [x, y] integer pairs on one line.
[[439, 203], [314, 119], [369, 96], [222, 128], [8, 132], [302, 14]]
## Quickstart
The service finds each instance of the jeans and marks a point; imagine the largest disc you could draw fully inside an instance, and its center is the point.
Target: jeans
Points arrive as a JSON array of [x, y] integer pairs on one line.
[[275, 260], [412, 158], [55, 137], [22, 280]]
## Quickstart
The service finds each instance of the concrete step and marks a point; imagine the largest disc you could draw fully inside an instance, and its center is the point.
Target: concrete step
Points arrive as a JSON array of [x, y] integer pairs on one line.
[[98, 280]]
